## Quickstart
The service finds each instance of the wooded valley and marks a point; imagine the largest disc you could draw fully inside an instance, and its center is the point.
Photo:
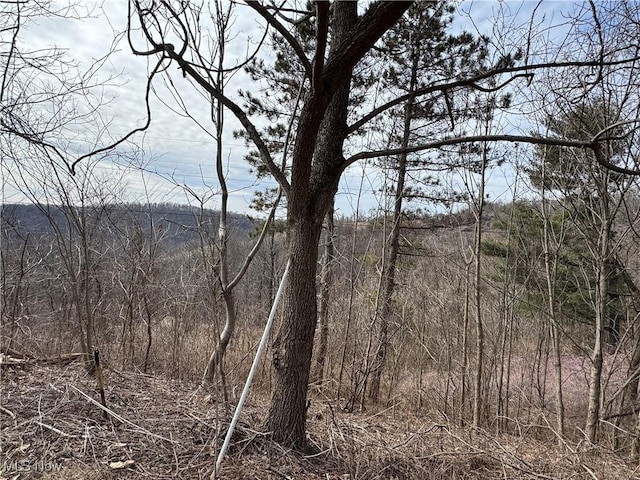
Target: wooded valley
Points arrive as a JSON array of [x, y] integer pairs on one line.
[[509, 322]]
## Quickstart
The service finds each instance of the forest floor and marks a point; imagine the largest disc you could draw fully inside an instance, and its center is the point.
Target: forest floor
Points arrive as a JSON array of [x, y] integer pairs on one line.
[[54, 428]]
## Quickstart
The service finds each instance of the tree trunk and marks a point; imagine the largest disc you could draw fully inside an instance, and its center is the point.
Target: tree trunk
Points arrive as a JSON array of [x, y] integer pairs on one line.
[[318, 162], [507, 305], [635, 444], [323, 312], [551, 271], [293, 346], [602, 293], [629, 399], [478, 397], [390, 257], [217, 116], [465, 342], [313, 186], [352, 281], [595, 376], [215, 360], [630, 396]]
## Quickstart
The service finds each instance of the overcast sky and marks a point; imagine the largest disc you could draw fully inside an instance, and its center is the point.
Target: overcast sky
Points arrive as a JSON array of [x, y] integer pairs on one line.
[[177, 151]]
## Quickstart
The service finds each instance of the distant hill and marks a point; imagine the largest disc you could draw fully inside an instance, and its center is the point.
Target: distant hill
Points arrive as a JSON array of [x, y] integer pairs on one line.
[[179, 223]]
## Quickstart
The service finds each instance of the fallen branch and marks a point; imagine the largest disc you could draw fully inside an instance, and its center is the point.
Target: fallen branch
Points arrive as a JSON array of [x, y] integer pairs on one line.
[[122, 419], [53, 429]]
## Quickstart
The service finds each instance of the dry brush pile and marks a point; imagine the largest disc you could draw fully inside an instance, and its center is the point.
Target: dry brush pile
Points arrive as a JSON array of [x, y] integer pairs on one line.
[[53, 427]]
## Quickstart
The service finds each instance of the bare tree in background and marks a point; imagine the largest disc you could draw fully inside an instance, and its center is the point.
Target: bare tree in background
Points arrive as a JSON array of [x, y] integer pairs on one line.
[[75, 209], [171, 34]]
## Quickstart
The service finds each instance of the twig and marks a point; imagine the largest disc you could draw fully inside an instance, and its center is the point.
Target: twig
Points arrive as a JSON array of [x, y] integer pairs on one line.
[[53, 429], [590, 472], [382, 411], [7, 411], [272, 469]]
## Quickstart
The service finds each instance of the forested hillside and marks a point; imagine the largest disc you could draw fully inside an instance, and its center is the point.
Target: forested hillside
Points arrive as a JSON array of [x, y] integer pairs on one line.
[[179, 223], [446, 238], [150, 288]]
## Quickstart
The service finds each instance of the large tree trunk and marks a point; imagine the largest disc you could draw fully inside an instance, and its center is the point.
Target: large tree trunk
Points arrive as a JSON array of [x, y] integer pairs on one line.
[[293, 346], [318, 162], [313, 187]]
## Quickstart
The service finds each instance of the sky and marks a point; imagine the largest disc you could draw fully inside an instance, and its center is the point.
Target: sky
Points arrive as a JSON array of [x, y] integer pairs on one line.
[[176, 160]]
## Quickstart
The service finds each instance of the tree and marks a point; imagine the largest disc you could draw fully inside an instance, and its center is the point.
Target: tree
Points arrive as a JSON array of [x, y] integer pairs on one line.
[[75, 209], [420, 50], [340, 40], [317, 164], [51, 120], [316, 167], [594, 195], [228, 282], [537, 259]]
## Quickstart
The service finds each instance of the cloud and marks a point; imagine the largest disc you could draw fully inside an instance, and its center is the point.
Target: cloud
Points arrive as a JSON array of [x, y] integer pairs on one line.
[[179, 149]]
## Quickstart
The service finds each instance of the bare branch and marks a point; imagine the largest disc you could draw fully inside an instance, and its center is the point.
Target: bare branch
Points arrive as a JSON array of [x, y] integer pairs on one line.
[[156, 48], [181, 24], [473, 82], [602, 160], [256, 248], [156, 69], [591, 144], [608, 128], [264, 13], [12, 50], [236, 110]]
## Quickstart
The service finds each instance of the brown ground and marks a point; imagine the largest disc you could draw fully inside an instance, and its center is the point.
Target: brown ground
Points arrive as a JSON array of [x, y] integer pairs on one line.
[[159, 429]]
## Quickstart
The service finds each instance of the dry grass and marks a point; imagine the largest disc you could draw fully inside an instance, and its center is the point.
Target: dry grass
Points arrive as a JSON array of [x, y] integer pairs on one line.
[[164, 429]]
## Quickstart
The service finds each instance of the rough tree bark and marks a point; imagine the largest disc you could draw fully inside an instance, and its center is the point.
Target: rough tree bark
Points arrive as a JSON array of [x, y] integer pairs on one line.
[[318, 162]]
